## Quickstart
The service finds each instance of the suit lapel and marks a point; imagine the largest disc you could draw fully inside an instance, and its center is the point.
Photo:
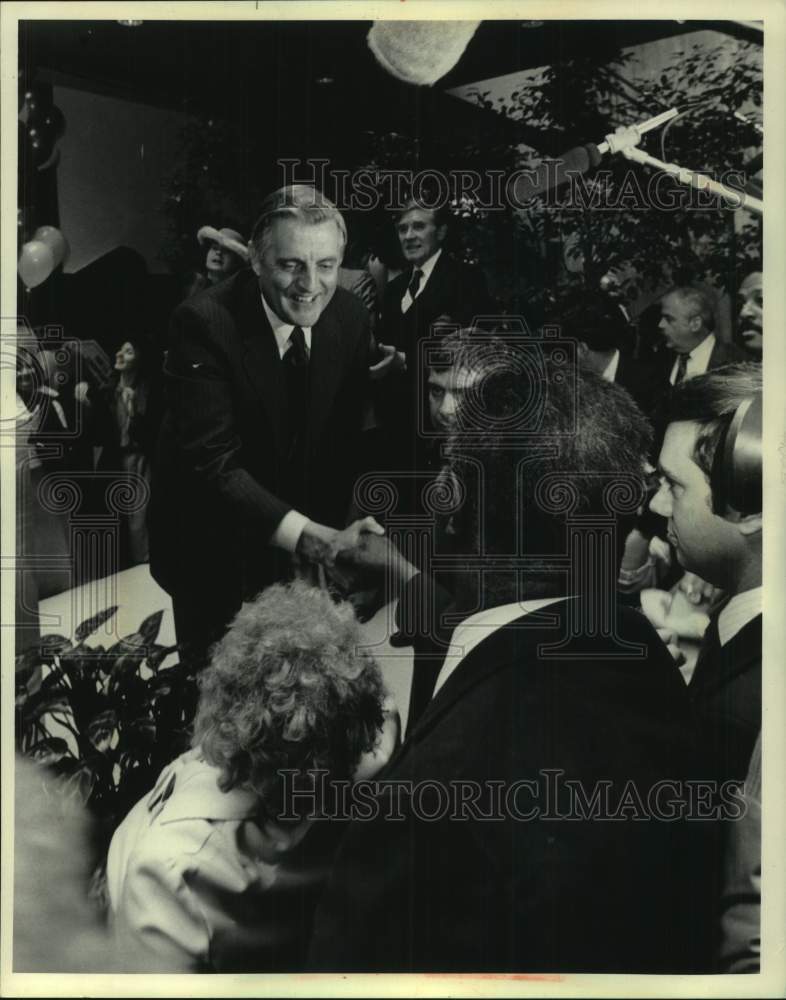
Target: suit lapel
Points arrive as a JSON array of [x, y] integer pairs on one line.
[[739, 654], [262, 364], [509, 646], [426, 303]]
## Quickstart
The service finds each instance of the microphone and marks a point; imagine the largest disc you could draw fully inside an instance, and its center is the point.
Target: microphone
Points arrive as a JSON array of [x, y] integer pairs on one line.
[[554, 173]]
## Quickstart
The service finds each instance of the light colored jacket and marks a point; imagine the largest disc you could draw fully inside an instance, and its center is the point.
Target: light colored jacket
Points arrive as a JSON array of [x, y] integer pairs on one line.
[[200, 880]]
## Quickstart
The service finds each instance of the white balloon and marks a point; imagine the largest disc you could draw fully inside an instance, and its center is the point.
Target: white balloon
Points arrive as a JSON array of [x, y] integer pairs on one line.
[[55, 240], [36, 263]]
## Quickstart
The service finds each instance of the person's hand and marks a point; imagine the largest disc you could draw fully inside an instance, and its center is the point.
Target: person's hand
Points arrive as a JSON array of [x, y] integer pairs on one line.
[[392, 361], [671, 642], [696, 590], [348, 541], [378, 556], [81, 392]]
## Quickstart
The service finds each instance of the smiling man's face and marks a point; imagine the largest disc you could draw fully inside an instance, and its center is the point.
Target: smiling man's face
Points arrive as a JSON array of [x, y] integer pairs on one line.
[[298, 269], [419, 235]]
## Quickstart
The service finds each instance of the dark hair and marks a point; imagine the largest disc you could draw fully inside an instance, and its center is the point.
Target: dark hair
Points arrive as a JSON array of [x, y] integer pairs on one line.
[[466, 349], [146, 352], [594, 319], [442, 214], [712, 400], [289, 686], [590, 434]]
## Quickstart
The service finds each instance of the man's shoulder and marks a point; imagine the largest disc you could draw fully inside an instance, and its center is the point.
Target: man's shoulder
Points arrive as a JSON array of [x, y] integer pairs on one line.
[[726, 353], [345, 307], [221, 300]]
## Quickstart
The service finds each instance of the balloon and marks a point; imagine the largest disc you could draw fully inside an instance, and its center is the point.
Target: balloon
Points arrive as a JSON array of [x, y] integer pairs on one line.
[[55, 240], [36, 263]]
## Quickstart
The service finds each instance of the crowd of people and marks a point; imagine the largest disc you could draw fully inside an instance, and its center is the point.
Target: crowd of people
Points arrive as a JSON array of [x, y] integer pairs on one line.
[[312, 414]]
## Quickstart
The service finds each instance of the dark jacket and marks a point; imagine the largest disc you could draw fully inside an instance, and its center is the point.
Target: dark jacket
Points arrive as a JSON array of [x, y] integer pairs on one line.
[[223, 464], [453, 290], [725, 692], [643, 380], [527, 893]]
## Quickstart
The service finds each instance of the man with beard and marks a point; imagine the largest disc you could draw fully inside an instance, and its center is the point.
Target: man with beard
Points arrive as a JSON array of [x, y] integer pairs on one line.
[[750, 321], [469, 857]]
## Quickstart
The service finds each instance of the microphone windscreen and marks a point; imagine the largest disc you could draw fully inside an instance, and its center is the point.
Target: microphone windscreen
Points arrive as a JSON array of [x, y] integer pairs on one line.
[[554, 173], [420, 52]]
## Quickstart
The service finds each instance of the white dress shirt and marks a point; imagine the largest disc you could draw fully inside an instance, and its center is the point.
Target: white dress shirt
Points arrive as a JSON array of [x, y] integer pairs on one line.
[[478, 627], [290, 527], [283, 331], [427, 267], [610, 371], [698, 359], [740, 610]]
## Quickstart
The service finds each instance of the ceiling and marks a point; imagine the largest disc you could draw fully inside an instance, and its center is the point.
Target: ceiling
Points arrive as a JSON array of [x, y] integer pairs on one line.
[[308, 82]]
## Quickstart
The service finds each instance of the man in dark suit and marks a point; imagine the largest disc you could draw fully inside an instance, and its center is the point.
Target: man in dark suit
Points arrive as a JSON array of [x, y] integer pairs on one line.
[[686, 323], [474, 853], [433, 286], [605, 346], [266, 379], [722, 546]]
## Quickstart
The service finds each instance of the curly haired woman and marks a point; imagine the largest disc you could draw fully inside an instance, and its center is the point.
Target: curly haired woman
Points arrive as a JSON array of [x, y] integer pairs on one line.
[[203, 870]]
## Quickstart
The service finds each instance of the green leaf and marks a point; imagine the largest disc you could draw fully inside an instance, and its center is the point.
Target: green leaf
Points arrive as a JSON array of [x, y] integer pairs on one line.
[[48, 750], [90, 625], [26, 662], [43, 702], [101, 728], [158, 654], [150, 627], [52, 645]]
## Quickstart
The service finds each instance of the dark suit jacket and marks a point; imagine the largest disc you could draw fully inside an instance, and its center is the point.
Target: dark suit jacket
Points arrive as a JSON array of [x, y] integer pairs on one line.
[[537, 894], [222, 468], [453, 289], [724, 353], [725, 691], [644, 381]]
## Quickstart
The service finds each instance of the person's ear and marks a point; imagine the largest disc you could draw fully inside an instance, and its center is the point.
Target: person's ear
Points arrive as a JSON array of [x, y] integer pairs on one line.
[[750, 524], [253, 259]]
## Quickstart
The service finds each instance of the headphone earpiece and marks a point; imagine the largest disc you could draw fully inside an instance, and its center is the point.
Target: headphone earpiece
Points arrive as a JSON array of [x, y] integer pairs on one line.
[[736, 468]]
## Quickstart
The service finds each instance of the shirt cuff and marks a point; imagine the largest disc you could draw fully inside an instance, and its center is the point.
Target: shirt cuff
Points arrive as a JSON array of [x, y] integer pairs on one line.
[[290, 528]]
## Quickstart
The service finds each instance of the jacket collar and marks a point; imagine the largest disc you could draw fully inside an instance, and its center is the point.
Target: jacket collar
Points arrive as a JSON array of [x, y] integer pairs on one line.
[[188, 789]]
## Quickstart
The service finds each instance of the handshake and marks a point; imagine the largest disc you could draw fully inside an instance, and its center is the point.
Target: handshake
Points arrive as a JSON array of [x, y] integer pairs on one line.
[[358, 561]]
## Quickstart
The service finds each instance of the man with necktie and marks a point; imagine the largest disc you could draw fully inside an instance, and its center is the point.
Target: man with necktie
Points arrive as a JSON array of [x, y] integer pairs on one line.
[[433, 286], [266, 378], [722, 545], [686, 324]]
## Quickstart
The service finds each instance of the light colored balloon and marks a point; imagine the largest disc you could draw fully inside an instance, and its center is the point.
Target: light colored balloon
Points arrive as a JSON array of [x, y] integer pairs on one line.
[[36, 263], [55, 240]]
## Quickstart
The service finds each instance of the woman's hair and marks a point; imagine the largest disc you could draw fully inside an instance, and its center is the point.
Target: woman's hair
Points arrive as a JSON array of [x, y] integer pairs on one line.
[[288, 687], [145, 349]]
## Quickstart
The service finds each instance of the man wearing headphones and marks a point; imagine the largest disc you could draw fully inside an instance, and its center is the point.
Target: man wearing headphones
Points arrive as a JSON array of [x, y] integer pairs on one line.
[[710, 469]]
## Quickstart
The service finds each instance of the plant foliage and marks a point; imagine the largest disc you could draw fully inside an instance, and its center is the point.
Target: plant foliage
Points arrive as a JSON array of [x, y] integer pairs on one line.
[[106, 721]]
